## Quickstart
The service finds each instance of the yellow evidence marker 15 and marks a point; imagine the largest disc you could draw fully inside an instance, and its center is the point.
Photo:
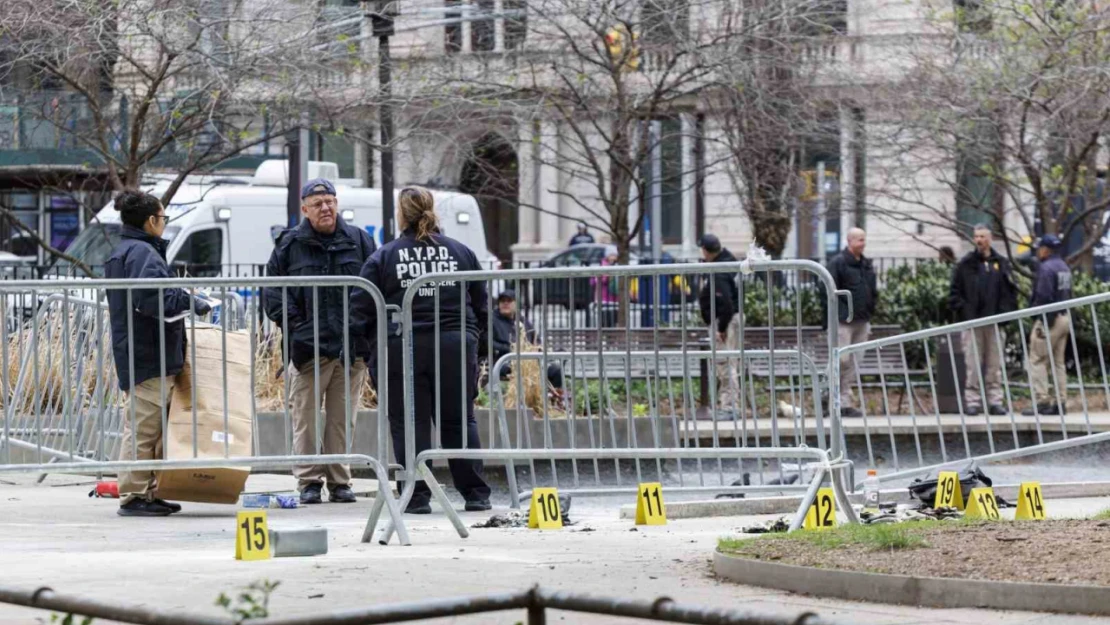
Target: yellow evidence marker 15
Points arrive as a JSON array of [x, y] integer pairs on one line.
[[822, 514], [545, 512], [1030, 502], [649, 505], [981, 504], [252, 537], [948, 491]]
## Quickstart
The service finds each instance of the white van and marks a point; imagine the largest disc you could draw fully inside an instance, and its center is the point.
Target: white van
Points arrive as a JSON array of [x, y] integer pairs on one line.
[[227, 225]]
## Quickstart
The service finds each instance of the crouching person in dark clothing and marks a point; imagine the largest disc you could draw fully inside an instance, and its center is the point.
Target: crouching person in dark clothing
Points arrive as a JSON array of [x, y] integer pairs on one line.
[[506, 323], [145, 373], [421, 249]]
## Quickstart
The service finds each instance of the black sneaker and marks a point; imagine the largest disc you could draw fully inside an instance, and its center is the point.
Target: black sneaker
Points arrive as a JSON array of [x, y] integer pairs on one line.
[[418, 507], [478, 505], [311, 494], [341, 494], [174, 507], [850, 412], [1043, 410], [142, 507], [973, 411], [997, 410]]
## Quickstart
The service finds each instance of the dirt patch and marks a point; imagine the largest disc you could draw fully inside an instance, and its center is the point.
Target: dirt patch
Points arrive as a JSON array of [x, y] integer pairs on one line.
[[1059, 551]]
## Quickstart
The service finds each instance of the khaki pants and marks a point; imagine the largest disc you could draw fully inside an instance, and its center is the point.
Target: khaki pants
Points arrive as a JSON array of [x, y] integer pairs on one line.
[[334, 401], [144, 442], [728, 382], [1039, 360], [850, 334], [985, 346]]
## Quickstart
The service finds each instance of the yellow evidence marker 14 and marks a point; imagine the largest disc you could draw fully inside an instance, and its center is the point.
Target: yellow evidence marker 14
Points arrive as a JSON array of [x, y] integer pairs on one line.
[[252, 537], [1030, 502], [822, 514], [545, 512], [948, 491], [649, 505], [981, 504]]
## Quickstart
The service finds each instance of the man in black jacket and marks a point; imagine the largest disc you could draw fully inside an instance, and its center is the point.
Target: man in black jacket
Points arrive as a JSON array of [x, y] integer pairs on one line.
[[852, 271], [506, 322], [718, 303], [982, 285], [140, 363], [321, 245]]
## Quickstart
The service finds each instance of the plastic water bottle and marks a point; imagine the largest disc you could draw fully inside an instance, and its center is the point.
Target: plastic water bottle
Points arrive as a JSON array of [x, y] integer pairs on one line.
[[871, 492]]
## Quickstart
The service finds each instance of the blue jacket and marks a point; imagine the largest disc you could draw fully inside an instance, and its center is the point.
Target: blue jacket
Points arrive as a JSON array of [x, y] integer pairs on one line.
[[1053, 283], [140, 255], [301, 251]]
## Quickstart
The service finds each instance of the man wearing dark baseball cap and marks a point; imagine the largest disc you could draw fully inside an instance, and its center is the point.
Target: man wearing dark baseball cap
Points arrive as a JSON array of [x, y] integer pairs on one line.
[[321, 245], [1052, 285], [718, 309]]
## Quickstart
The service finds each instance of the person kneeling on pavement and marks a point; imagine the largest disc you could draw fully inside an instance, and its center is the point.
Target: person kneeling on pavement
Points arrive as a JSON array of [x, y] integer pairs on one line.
[[506, 322]]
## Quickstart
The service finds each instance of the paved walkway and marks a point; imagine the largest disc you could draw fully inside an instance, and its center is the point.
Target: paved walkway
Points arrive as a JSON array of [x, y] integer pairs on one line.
[[53, 534]]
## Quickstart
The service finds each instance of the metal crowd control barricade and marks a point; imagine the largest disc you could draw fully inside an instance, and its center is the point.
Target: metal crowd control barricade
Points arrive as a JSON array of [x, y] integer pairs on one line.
[[64, 411], [923, 389], [626, 442]]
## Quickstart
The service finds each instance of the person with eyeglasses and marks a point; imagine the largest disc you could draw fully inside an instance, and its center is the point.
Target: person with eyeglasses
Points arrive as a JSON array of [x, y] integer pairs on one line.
[[323, 244], [141, 254]]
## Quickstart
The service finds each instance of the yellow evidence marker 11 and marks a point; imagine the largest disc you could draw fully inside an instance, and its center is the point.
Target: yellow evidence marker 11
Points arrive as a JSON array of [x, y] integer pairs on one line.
[[545, 512], [649, 505], [822, 514], [252, 537], [1030, 502], [981, 504], [948, 491]]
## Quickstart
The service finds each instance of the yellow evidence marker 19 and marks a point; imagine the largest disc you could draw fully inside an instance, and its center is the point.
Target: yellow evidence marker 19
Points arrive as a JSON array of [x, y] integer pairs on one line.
[[948, 491], [545, 512], [822, 514], [1030, 502], [252, 537], [981, 504], [649, 505]]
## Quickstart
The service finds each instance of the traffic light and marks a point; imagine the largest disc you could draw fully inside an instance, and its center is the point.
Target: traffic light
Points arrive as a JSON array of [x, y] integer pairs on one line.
[[615, 40]]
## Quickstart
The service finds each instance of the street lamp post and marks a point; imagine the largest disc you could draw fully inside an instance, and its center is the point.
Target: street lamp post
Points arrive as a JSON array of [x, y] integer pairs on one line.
[[381, 21]]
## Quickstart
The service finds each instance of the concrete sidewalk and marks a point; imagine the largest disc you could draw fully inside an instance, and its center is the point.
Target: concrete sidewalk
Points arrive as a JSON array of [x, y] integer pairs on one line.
[[53, 534]]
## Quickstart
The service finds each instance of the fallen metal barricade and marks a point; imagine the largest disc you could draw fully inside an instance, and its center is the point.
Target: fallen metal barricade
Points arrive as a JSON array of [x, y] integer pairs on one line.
[[64, 413], [742, 406], [535, 601], [934, 388]]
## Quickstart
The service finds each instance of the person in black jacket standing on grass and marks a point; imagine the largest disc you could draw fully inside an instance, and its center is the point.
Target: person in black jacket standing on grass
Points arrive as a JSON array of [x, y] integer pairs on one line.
[[982, 285], [852, 271], [718, 303], [321, 245], [137, 351], [421, 249]]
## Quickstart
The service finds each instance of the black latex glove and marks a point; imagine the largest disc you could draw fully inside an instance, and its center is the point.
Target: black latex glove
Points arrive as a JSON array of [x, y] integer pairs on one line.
[[201, 307]]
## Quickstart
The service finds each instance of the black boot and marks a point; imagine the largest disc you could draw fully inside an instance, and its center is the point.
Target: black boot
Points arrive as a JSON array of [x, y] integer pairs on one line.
[[142, 507]]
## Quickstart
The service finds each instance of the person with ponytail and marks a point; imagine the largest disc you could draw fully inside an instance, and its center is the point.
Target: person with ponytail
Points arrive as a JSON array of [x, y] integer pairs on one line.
[[436, 322]]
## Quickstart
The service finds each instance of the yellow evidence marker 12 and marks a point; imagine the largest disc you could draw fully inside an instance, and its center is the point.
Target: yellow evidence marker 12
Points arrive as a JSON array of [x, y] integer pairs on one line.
[[981, 504], [822, 514], [649, 505], [948, 491], [545, 512], [1030, 502], [252, 537]]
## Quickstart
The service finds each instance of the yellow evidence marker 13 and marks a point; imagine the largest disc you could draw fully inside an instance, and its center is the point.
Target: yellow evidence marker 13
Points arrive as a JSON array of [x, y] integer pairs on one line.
[[649, 505], [545, 512], [822, 514], [981, 504], [1030, 502], [252, 537], [948, 491]]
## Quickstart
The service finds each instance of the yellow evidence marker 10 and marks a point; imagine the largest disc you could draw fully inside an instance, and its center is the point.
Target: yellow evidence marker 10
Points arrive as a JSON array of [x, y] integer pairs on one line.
[[649, 505], [822, 514], [252, 537], [1030, 502], [981, 504], [948, 491], [545, 512]]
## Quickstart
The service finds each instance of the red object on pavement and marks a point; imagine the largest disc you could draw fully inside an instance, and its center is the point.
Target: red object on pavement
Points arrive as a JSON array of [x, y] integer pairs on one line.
[[107, 489]]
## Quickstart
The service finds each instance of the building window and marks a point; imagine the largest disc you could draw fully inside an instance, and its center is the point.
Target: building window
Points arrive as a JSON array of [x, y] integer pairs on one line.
[[481, 30], [667, 160], [664, 22], [516, 25], [972, 16], [452, 33]]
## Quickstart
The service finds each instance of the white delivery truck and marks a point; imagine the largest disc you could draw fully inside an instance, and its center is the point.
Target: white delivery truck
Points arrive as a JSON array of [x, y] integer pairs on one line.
[[227, 225]]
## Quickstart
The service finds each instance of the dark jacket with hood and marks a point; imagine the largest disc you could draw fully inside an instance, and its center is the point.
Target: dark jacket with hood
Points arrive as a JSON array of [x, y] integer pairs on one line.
[[140, 255], [505, 333], [1053, 283], [301, 251], [725, 294], [858, 277], [981, 287]]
